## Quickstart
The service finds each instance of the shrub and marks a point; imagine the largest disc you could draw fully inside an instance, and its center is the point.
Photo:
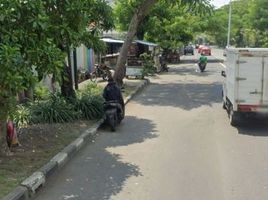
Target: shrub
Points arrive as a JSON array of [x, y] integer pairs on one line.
[[53, 110], [20, 116], [90, 102], [90, 106], [91, 89], [41, 92], [148, 65]]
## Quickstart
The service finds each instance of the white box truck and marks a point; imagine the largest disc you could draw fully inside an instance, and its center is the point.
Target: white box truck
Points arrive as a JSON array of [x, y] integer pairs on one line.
[[245, 89]]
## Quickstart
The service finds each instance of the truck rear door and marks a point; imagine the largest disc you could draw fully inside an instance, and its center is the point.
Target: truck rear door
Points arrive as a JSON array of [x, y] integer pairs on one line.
[[249, 80]]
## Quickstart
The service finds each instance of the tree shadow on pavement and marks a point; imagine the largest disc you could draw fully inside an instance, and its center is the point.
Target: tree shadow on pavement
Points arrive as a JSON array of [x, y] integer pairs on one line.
[[254, 126], [193, 70], [183, 95], [97, 173]]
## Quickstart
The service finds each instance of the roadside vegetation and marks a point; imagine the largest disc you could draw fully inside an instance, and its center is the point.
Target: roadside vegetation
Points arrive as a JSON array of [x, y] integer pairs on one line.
[[248, 24], [46, 126], [38, 37]]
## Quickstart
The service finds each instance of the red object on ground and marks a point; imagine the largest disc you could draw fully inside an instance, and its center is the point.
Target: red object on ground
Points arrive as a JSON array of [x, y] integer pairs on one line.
[[11, 136]]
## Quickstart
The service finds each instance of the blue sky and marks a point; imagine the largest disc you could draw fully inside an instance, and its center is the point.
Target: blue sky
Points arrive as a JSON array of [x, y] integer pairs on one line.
[[219, 3]]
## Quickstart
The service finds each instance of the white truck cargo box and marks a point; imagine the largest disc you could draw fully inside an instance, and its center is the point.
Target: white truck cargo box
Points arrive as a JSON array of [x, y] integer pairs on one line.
[[245, 88]]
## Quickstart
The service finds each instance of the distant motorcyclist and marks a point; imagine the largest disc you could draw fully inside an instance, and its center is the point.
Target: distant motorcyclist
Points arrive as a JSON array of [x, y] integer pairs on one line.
[[203, 59], [202, 62], [112, 93], [163, 63]]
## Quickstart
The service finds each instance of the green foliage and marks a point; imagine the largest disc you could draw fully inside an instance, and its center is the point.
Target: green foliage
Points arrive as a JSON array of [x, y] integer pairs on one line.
[[248, 24], [39, 34], [54, 110], [169, 23], [91, 88], [20, 116], [90, 106], [148, 64], [41, 92], [90, 102]]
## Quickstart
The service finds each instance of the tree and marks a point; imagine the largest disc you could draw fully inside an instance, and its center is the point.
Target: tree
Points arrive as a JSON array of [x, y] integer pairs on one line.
[[36, 36], [74, 23], [142, 9], [172, 29], [259, 21], [24, 46]]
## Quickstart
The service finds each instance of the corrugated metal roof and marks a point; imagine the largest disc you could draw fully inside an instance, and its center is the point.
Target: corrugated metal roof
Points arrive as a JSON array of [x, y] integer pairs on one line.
[[110, 40], [146, 43]]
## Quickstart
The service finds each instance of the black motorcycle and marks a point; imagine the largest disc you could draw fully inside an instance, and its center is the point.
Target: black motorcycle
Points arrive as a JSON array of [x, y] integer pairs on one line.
[[202, 66], [114, 114], [163, 64], [102, 71]]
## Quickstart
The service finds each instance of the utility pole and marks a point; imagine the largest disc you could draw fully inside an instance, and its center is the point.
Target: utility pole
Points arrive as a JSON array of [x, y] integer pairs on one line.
[[229, 23]]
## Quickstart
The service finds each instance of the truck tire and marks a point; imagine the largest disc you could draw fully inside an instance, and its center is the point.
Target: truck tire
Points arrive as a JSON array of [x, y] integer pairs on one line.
[[224, 105], [233, 117]]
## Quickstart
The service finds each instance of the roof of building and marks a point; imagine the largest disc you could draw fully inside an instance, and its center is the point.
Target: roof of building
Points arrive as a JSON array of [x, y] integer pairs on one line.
[[146, 43], [110, 40]]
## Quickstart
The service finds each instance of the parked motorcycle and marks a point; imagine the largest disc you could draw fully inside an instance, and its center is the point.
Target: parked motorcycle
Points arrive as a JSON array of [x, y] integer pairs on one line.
[[202, 66], [163, 64], [102, 71], [114, 114]]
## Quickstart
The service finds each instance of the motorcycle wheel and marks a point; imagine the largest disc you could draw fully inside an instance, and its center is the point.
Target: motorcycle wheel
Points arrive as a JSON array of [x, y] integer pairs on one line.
[[113, 122], [105, 77], [93, 77]]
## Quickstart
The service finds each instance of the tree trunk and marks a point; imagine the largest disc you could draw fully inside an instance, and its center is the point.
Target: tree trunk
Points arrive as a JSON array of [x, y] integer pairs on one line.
[[29, 94], [67, 89], [4, 106], [140, 13]]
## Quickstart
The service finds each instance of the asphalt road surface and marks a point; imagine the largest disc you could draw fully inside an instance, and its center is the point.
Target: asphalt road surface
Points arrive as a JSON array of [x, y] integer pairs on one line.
[[175, 143]]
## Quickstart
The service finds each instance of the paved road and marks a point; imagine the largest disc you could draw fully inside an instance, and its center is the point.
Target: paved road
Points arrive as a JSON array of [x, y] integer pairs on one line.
[[175, 143]]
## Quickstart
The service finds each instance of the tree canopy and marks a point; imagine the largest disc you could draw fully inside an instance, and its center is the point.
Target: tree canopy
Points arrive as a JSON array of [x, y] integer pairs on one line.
[[140, 10], [36, 36], [248, 24]]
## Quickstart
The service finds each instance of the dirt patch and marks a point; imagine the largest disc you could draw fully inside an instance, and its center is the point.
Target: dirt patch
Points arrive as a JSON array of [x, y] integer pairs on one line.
[[38, 144]]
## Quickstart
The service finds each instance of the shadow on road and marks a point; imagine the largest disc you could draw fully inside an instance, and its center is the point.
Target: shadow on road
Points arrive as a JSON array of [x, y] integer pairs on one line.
[[183, 95], [211, 59], [108, 172], [193, 71], [254, 126], [98, 172], [131, 130]]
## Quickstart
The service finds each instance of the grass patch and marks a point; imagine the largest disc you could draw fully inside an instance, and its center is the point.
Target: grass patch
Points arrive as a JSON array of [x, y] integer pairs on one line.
[[39, 143]]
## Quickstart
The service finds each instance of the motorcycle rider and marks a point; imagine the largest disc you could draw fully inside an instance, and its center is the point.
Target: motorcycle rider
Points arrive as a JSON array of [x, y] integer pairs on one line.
[[202, 61], [163, 63], [112, 92], [203, 58]]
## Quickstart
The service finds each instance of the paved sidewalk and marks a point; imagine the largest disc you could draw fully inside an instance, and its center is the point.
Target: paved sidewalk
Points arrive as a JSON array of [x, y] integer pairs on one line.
[[33, 184]]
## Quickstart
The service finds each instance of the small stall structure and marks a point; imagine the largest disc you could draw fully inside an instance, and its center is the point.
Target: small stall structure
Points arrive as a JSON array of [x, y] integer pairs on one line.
[[134, 62], [113, 47]]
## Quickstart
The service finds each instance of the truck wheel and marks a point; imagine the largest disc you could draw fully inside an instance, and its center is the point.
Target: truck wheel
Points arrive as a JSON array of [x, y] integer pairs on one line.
[[224, 105], [233, 117]]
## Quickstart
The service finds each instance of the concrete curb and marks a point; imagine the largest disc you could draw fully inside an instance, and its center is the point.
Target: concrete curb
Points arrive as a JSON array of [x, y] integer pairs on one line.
[[32, 184]]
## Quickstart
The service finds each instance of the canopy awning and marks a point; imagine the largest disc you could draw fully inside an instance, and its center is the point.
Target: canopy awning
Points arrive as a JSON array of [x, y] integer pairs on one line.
[[110, 40], [146, 43]]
